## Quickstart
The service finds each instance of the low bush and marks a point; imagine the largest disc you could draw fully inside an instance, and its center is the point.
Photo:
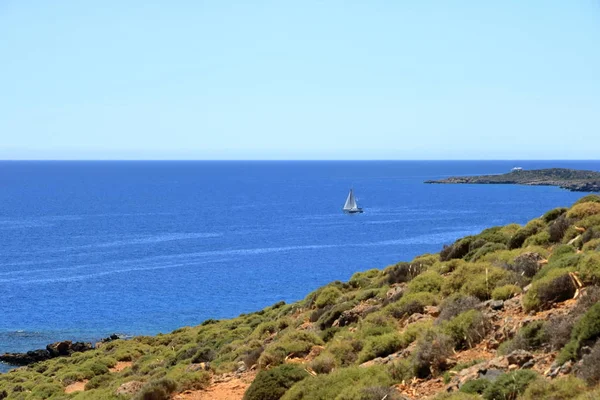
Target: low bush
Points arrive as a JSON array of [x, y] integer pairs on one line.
[[558, 228], [593, 244], [345, 350], [429, 281], [364, 279], [505, 292], [431, 353], [297, 343], [327, 296], [346, 383], [590, 198], [380, 346], [533, 227], [403, 272], [509, 386], [324, 363], [588, 268], [458, 249], [530, 337], [555, 287], [98, 381], [487, 248], [467, 329], [456, 304], [585, 332], [474, 279], [590, 366], [558, 389], [157, 390], [272, 384], [539, 239], [582, 210], [411, 304], [401, 370], [554, 214], [475, 386], [456, 396]]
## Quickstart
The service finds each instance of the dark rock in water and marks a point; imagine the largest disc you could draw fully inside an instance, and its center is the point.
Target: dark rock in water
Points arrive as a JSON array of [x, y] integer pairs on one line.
[[59, 348], [53, 350], [30, 357]]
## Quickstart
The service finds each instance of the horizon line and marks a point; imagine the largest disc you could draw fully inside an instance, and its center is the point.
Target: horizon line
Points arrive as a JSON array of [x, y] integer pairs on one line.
[[280, 160]]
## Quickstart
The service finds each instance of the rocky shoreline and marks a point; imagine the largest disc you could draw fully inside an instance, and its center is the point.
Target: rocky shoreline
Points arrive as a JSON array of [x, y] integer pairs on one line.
[[569, 179], [53, 350]]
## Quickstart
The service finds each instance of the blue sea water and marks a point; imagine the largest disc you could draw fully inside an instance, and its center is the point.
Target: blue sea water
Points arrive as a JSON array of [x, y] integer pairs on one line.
[[92, 248]]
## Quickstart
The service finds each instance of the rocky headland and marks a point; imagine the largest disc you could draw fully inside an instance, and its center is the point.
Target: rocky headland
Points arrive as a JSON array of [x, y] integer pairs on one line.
[[570, 179]]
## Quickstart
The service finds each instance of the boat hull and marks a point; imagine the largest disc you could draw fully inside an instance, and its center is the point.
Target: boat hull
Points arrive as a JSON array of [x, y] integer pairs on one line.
[[355, 211]]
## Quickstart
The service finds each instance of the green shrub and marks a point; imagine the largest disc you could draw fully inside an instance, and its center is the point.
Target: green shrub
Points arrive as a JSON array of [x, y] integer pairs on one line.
[[590, 198], [505, 292], [456, 396], [429, 281], [582, 210], [474, 279], [458, 249], [411, 304], [456, 304], [345, 350], [431, 353], [588, 268], [555, 287], [475, 386], [487, 248], [532, 336], [593, 244], [559, 389], [380, 346], [403, 272], [98, 381], [509, 386], [466, 329], [533, 227], [324, 363], [553, 214], [297, 343], [585, 331], [157, 390], [46, 390], [327, 296], [272, 384], [558, 228], [364, 279], [328, 317], [539, 239], [346, 383]]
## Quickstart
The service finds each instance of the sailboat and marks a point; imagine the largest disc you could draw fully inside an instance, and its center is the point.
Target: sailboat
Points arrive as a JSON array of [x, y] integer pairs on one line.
[[351, 207]]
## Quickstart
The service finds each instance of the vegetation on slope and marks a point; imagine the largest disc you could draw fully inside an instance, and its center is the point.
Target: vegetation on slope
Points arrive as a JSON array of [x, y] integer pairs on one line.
[[385, 330]]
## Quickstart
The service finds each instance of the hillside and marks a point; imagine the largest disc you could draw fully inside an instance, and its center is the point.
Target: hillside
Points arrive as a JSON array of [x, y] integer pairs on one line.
[[509, 313], [570, 179]]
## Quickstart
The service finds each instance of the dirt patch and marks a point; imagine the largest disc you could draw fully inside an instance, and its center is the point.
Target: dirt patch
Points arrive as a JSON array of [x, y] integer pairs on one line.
[[120, 366], [76, 387], [222, 388]]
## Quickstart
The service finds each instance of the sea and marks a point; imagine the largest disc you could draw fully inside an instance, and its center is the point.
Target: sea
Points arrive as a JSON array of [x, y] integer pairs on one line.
[[91, 248]]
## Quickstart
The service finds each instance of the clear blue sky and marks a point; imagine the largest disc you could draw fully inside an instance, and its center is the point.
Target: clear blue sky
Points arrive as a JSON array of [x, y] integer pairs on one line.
[[350, 79]]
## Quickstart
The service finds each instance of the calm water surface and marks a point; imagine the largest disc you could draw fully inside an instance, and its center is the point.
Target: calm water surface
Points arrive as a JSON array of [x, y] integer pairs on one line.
[[92, 248]]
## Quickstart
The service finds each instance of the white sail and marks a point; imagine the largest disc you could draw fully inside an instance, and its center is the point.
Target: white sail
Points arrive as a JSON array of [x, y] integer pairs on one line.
[[350, 202]]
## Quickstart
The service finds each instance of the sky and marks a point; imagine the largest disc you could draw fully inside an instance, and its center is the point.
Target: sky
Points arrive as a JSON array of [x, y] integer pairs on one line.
[[306, 79]]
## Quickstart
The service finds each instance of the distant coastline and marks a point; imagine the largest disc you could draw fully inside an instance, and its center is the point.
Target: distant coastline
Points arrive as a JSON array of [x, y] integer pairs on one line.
[[569, 179]]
